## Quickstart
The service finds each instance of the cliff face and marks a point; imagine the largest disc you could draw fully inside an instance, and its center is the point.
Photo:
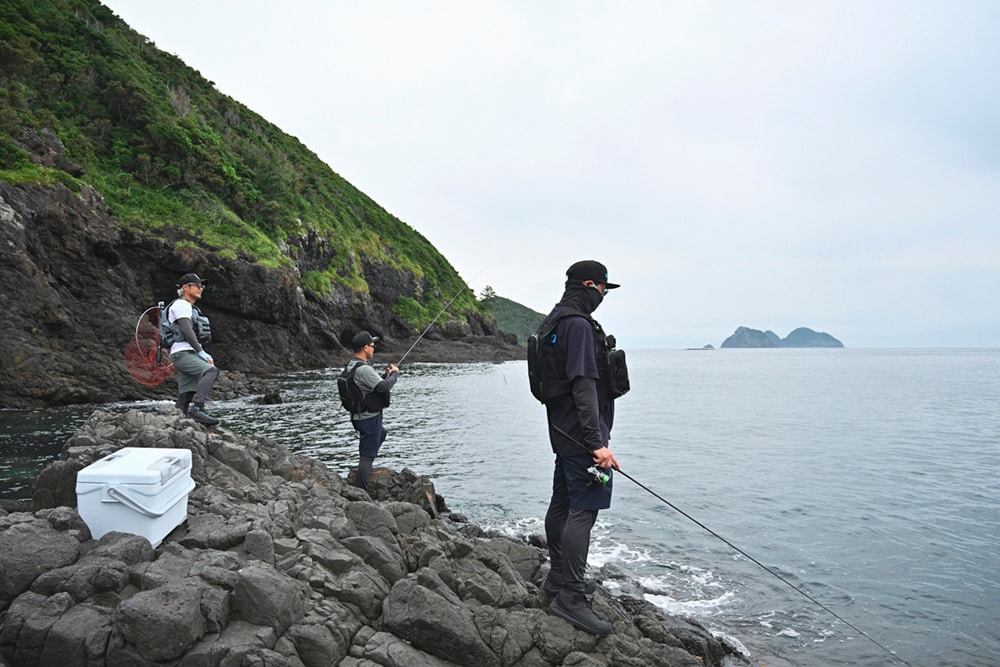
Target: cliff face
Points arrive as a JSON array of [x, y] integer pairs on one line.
[[73, 284]]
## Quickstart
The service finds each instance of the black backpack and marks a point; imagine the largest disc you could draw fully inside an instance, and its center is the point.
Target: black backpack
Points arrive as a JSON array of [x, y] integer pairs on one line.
[[353, 399], [544, 374], [546, 377]]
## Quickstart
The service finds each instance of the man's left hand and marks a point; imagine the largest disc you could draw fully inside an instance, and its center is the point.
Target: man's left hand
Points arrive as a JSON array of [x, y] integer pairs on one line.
[[605, 459]]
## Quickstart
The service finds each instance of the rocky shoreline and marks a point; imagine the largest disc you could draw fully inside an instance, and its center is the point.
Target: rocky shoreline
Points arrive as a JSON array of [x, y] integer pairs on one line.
[[282, 562]]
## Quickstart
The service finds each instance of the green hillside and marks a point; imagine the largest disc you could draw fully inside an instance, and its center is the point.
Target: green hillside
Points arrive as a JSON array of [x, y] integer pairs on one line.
[[512, 316], [172, 156]]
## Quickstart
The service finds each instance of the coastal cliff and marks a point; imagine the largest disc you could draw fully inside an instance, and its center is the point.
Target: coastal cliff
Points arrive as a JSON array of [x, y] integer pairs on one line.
[[281, 562], [73, 283]]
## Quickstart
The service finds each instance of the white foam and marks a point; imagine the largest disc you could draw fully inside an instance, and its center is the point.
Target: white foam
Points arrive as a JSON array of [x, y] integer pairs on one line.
[[605, 549], [705, 607], [733, 643], [515, 528]]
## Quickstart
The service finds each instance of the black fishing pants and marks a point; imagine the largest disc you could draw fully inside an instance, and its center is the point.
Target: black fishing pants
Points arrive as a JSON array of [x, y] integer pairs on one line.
[[567, 532]]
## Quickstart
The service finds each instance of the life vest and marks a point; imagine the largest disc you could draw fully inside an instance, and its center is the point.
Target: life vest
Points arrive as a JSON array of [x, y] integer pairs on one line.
[[170, 332], [547, 378], [353, 399]]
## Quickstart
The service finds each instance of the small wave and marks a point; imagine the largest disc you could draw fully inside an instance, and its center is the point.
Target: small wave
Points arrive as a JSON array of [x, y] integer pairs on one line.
[[705, 607], [517, 528], [608, 550]]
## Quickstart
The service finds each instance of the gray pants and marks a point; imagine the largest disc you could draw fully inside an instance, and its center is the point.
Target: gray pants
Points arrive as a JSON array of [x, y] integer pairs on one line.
[[194, 374]]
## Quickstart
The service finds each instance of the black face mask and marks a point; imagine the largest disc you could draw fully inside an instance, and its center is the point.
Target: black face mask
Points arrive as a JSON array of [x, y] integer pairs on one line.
[[594, 298], [583, 298]]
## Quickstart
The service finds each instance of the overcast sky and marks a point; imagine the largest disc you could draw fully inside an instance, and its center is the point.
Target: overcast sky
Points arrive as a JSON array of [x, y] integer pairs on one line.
[[834, 165]]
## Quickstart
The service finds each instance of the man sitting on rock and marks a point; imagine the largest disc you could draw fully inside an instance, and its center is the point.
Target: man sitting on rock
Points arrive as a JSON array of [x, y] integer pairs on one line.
[[196, 371]]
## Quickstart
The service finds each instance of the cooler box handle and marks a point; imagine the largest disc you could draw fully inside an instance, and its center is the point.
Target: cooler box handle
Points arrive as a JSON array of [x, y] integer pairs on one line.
[[124, 499], [168, 467]]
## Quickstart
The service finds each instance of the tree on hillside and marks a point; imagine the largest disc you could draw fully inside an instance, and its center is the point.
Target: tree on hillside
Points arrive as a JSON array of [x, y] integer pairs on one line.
[[487, 294]]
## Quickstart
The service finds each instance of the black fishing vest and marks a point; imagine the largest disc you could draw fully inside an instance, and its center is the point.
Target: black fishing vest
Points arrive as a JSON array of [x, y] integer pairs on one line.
[[545, 376], [353, 399]]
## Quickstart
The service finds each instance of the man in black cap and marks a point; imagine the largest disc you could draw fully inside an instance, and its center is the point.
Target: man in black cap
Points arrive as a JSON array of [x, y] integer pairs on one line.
[[196, 371], [585, 412], [374, 397]]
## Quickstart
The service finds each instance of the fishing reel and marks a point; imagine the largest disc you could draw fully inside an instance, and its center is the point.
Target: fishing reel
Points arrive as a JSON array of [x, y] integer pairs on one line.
[[598, 476]]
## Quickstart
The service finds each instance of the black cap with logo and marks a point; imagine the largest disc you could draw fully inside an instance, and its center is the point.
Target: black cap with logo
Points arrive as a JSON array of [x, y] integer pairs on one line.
[[189, 278], [589, 269], [362, 339]]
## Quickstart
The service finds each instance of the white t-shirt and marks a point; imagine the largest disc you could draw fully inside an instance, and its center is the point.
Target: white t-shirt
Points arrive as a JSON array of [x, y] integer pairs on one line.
[[180, 309]]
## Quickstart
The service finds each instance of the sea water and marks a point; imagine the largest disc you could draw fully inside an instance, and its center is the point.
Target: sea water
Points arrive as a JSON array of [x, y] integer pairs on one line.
[[818, 507]]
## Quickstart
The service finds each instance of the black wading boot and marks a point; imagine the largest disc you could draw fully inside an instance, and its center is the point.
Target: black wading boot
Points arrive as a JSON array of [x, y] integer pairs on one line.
[[197, 413], [575, 608]]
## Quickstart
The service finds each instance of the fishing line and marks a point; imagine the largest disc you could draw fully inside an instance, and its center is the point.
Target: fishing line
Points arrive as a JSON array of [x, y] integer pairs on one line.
[[744, 553], [428, 328]]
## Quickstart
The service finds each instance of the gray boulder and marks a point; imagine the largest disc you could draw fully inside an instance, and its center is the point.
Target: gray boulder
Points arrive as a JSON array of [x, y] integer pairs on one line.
[[29, 550], [425, 612]]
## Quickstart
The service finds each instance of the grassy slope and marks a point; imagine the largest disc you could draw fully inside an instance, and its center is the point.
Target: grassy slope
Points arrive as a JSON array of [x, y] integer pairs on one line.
[[513, 317], [166, 149]]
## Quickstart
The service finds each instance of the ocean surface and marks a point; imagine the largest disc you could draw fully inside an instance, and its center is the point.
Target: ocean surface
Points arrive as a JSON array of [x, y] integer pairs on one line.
[[867, 479]]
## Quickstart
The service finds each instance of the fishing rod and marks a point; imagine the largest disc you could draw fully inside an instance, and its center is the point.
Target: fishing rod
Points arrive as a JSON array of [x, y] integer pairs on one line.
[[742, 552], [428, 328]]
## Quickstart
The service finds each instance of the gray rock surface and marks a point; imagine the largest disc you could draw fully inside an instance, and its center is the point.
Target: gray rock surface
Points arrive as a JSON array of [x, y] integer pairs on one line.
[[281, 562]]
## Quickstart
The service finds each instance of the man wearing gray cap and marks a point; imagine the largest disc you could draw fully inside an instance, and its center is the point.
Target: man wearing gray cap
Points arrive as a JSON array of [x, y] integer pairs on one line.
[[368, 396], [196, 371]]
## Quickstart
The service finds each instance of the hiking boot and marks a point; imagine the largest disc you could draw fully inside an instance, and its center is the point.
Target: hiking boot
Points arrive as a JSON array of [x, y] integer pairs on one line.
[[553, 583], [197, 413], [575, 608]]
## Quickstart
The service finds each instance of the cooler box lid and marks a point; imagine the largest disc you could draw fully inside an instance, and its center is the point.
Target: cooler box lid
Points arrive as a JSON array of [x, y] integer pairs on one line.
[[137, 465]]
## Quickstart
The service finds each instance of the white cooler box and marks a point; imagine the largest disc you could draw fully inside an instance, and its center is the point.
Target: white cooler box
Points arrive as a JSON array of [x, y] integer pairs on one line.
[[136, 490]]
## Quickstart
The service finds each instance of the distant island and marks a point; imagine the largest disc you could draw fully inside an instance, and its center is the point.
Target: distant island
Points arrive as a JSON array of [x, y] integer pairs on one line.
[[801, 337]]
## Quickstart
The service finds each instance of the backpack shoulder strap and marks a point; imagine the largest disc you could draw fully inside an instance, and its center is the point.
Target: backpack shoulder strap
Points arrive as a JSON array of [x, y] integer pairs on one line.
[[545, 328], [351, 367]]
